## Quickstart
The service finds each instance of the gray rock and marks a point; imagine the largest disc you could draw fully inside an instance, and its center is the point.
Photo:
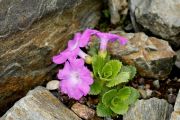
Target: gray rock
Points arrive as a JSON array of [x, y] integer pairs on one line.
[[176, 113], [151, 109], [177, 63], [39, 104], [161, 17], [156, 84], [177, 104], [25, 57], [118, 8], [152, 57], [20, 14]]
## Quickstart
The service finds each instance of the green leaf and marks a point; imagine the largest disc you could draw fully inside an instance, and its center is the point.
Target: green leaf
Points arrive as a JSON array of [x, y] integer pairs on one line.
[[121, 78], [120, 108], [103, 111], [133, 72], [124, 93], [133, 96], [108, 96], [107, 71], [116, 66], [97, 64], [130, 69], [110, 70], [96, 87]]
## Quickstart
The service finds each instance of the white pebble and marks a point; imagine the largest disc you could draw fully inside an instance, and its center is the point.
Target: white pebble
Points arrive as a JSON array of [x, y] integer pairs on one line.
[[52, 85]]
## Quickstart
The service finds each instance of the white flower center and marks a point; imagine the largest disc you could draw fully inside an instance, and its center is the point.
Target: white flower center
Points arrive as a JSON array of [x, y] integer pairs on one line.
[[75, 78]]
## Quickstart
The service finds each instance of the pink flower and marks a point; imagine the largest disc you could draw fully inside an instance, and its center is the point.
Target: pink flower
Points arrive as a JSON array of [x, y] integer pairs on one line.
[[75, 79], [86, 37], [106, 37], [72, 51]]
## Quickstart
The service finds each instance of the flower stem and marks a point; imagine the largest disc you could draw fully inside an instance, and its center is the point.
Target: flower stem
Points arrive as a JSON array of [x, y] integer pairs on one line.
[[86, 57]]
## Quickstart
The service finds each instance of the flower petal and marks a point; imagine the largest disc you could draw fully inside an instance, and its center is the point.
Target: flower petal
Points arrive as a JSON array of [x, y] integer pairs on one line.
[[73, 44], [75, 79], [61, 58], [75, 93], [86, 37], [64, 73], [122, 40], [77, 63], [84, 88], [106, 37]]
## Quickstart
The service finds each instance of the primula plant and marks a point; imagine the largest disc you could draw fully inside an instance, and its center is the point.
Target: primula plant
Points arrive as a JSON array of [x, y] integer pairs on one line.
[[106, 77]]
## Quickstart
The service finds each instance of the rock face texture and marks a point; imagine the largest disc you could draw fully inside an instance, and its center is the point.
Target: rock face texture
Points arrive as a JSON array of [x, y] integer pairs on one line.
[[118, 8], [152, 57], [39, 104], [18, 15], [177, 63], [151, 109], [25, 57], [176, 113], [161, 17]]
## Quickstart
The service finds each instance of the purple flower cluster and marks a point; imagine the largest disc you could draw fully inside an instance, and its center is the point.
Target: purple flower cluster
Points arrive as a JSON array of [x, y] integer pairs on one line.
[[75, 76]]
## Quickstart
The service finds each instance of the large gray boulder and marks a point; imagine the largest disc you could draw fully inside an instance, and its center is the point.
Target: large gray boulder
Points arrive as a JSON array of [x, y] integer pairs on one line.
[[176, 113], [161, 17], [153, 57], [25, 57], [39, 104], [20, 14], [151, 109]]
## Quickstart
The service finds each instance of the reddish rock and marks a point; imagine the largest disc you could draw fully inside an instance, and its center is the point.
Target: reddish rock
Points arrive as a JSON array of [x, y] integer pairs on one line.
[[83, 111], [152, 57]]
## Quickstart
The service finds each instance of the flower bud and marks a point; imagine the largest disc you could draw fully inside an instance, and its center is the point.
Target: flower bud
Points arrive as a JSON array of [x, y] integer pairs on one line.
[[103, 54], [88, 59]]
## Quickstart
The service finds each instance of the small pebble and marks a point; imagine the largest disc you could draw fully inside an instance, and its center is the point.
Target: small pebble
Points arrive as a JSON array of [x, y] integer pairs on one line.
[[83, 100], [158, 93], [52, 85], [171, 98], [149, 92], [155, 93], [134, 85], [175, 78], [170, 90], [83, 111], [142, 93], [147, 86], [168, 81], [141, 87], [141, 81], [156, 84]]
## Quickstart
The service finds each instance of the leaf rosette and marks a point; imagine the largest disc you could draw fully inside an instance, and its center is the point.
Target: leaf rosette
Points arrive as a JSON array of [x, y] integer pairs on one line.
[[117, 101]]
